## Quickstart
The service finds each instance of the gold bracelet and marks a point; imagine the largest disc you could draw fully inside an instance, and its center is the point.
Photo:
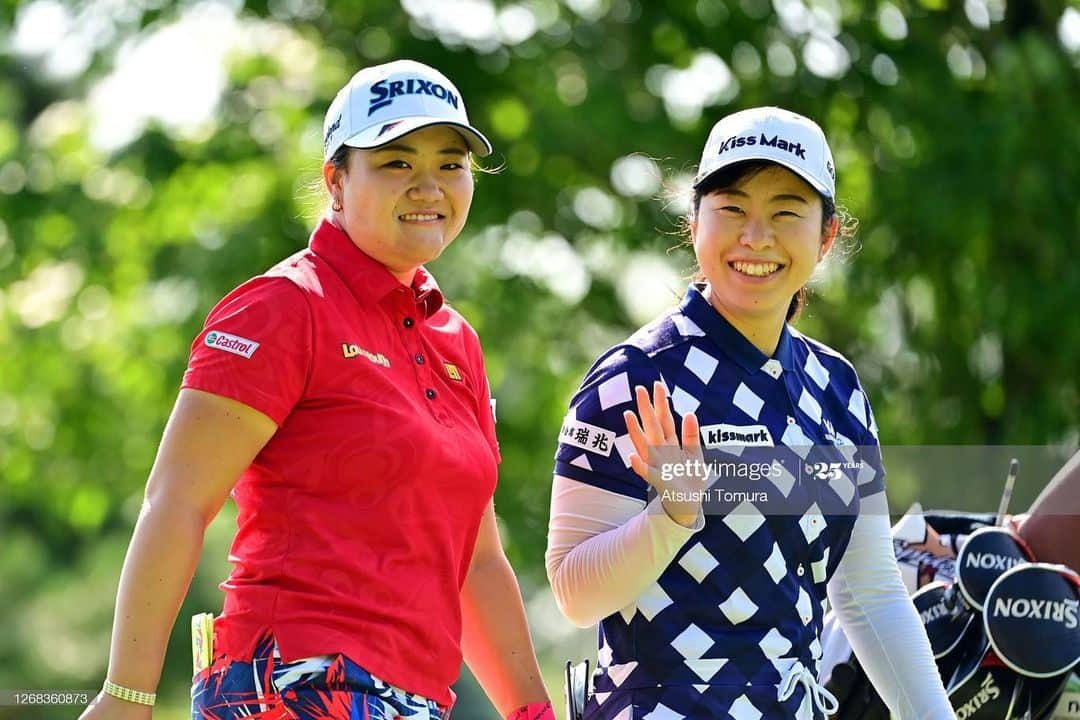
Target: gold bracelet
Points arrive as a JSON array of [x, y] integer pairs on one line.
[[124, 693]]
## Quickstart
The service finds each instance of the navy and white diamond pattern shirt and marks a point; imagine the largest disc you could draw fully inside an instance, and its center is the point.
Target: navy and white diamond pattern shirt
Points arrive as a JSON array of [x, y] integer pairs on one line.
[[744, 598]]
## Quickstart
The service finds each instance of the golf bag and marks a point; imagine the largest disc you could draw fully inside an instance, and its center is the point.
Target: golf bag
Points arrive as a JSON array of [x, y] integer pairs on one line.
[[1002, 627]]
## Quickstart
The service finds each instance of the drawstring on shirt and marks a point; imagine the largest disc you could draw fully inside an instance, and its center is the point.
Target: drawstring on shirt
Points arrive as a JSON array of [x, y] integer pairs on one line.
[[822, 699]]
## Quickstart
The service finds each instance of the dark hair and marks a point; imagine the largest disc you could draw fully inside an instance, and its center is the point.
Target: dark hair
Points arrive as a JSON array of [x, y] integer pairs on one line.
[[731, 176], [340, 158]]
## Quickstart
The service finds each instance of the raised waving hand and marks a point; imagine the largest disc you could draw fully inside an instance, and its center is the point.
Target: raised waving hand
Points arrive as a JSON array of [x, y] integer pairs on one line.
[[670, 462]]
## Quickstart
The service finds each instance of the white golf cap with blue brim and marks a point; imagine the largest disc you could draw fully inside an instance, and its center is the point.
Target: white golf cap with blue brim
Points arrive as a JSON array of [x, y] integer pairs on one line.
[[773, 134], [383, 102]]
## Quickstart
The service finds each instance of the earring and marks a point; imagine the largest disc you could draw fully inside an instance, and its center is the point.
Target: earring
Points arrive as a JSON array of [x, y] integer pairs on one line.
[[337, 205]]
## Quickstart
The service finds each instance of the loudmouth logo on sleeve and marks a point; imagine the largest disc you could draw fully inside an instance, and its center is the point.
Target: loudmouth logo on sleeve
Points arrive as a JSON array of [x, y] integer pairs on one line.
[[587, 437], [720, 435], [231, 343], [738, 141]]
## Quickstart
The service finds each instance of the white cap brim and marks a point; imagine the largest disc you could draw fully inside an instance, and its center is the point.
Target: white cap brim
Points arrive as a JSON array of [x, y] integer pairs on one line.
[[378, 135]]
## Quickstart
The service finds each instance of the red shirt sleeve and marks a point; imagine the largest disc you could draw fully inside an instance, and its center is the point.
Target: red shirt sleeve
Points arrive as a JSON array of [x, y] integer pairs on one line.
[[255, 347]]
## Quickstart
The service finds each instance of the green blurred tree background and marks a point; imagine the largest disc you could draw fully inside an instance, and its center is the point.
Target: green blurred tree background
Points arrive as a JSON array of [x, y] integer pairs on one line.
[[156, 153]]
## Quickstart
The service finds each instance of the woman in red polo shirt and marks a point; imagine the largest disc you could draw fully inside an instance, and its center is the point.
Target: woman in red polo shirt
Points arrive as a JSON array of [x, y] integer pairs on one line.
[[345, 407]]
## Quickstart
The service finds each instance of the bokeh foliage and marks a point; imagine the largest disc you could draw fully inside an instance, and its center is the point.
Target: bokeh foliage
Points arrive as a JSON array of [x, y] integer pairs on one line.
[[956, 129]]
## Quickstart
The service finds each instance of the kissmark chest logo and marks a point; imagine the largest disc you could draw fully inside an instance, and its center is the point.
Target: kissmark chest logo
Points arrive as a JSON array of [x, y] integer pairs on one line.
[[231, 343]]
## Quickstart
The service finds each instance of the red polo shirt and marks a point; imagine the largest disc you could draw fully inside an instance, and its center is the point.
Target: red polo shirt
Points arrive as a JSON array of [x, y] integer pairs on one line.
[[357, 521]]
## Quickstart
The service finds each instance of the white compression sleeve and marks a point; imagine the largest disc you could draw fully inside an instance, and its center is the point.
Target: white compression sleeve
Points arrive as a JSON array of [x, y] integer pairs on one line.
[[877, 616], [605, 549]]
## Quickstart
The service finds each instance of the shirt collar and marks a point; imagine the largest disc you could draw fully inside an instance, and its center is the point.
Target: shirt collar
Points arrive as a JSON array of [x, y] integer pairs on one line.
[[366, 277], [723, 334]]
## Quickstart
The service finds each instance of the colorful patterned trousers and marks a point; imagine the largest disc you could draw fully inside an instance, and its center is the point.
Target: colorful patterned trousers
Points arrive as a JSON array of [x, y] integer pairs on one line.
[[327, 687]]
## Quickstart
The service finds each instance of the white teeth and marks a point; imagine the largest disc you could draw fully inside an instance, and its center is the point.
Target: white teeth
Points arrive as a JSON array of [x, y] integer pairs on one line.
[[420, 216], [756, 269]]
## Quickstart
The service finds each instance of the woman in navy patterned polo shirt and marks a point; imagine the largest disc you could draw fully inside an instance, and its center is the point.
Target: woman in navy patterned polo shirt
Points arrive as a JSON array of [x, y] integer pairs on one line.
[[718, 477]]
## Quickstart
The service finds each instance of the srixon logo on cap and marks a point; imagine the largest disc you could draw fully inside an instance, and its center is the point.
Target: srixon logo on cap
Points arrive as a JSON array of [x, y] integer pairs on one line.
[[738, 141], [384, 92]]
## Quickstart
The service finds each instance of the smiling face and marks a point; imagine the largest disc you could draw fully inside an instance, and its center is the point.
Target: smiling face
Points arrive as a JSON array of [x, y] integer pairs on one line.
[[403, 203], [758, 241]]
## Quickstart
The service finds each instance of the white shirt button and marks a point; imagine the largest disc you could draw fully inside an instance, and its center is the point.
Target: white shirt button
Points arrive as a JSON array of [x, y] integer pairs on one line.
[[773, 367], [800, 571]]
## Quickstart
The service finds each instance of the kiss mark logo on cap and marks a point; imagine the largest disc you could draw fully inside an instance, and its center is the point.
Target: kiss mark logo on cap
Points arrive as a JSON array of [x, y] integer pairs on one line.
[[795, 148]]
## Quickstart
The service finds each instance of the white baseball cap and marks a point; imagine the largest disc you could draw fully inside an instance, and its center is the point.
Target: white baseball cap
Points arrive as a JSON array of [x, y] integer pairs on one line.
[[774, 134], [383, 102]]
